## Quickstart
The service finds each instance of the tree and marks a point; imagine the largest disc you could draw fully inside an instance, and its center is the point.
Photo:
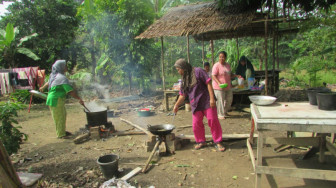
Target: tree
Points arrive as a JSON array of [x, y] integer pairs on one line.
[[113, 25], [10, 47], [316, 46], [55, 23]]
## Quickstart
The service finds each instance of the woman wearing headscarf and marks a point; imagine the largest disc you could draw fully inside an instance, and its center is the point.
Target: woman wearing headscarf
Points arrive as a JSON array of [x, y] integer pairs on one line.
[[197, 86], [245, 68], [59, 86]]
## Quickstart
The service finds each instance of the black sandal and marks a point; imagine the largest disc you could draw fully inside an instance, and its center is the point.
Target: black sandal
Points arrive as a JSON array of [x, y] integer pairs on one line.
[[68, 133]]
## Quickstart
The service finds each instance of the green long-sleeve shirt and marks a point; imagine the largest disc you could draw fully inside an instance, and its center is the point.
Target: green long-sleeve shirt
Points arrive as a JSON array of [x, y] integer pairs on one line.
[[56, 92]]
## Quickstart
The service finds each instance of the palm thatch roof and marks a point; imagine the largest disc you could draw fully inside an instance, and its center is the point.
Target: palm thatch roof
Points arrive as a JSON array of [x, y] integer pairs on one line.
[[205, 21]]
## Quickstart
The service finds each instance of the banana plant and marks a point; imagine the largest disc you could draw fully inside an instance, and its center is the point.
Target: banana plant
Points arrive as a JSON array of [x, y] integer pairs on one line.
[[9, 46]]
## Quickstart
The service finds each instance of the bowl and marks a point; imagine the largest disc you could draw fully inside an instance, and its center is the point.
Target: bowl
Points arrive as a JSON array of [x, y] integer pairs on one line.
[[38, 94], [262, 100], [223, 85], [144, 112]]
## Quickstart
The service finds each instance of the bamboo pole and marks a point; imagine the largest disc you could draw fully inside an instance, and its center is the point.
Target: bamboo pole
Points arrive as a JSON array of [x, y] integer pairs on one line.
[[188, 53], [266, 70], [212, 53], [276, 15], [162, 66], [203, 50]]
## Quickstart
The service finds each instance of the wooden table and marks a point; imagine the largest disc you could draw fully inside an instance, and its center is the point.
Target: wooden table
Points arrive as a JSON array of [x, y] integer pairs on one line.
[[290, 116], [166, 94]]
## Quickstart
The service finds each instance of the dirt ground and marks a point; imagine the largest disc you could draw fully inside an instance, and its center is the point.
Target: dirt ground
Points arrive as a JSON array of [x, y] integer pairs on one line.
[[65, 164]]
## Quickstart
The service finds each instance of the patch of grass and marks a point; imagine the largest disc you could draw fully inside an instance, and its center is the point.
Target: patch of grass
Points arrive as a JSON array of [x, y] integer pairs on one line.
[[171, 79], [302, 78]]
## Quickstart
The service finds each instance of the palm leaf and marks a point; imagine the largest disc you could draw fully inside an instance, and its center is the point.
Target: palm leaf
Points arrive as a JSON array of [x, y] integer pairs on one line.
[[9, 34], [28, 53], [24, 39]]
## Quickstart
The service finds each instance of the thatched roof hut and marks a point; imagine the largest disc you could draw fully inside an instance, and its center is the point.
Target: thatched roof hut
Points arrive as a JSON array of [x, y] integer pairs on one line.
[[205, 21]]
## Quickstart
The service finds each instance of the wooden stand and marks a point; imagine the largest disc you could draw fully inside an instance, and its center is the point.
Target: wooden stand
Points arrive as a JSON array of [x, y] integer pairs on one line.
[[280, 117]]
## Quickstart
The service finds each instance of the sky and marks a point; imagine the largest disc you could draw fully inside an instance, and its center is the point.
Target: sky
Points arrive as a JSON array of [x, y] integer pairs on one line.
[[3, 7]]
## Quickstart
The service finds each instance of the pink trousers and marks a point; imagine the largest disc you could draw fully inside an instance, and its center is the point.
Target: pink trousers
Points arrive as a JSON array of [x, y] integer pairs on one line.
[[213, 122]]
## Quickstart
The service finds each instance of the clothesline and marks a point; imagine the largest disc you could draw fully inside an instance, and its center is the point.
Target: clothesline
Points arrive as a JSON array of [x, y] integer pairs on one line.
[[20, 78]]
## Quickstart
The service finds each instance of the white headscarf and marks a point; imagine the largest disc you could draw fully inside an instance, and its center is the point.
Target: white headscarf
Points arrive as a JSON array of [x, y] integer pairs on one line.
[[57, 76]]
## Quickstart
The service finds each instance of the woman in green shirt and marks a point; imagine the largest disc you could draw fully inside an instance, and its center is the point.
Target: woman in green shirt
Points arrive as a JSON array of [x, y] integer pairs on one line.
[[59, 87]]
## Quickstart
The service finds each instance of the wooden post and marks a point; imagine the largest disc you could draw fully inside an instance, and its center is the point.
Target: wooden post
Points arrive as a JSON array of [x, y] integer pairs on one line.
[[277, 49], [274, 88], [203, 50], [212, 53], [162, 66], [188, 53], [266, 70], [273, 72], [276, 31], [237, 50]]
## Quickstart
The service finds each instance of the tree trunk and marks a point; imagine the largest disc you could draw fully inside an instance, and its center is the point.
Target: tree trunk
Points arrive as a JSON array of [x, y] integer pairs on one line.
[[73, 58], [260, 62], [93, 58], [130, 82]]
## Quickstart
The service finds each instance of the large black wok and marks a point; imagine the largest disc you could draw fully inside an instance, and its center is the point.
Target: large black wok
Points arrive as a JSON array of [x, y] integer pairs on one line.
[[161, 130]]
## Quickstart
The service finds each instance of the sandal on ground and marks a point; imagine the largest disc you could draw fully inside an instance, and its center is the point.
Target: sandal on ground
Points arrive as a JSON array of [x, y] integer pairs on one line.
[[220, 147], [221, 117], [64, 137], [68, 133], [200, 145]]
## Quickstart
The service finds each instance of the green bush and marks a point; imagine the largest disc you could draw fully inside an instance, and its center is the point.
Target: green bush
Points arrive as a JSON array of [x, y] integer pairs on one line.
[[10, 136], [22, 96]]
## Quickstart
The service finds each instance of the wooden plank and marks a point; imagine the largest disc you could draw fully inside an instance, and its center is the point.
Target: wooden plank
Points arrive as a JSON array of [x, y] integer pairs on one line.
[[7, 166], [182, 127], [131, 174], [298, 141], [249, 147], [81, 138], [294, 110], [260, 145], [331, 148], [322, 148], [125, 133], [137, 126], [319, 126], [224, 136], [5, 180], [298, 173]]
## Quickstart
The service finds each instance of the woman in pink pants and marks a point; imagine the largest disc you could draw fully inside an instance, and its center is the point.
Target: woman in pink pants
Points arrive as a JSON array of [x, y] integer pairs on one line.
[[197, 86]]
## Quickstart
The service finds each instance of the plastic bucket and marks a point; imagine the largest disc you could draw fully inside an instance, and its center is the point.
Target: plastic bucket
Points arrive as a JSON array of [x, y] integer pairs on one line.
[[311, 92], [250, 82], [108, 165], [187, 107], [326, 101]]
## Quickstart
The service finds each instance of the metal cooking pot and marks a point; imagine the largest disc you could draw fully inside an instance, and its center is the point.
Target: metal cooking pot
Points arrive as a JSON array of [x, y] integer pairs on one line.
[[96, 118], [161, 130]]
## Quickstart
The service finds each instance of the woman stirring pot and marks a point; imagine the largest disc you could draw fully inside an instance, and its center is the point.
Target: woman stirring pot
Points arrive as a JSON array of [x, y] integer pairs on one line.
[[59, 86]]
